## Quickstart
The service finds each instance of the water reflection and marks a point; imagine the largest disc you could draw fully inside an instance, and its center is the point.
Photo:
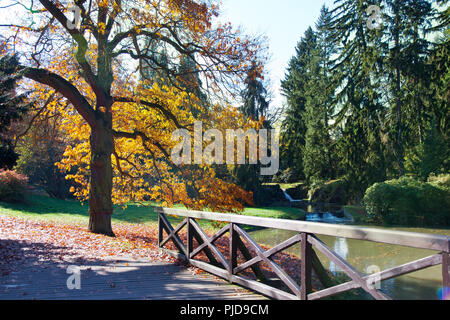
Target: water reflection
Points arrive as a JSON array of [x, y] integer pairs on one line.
[[341, 248]]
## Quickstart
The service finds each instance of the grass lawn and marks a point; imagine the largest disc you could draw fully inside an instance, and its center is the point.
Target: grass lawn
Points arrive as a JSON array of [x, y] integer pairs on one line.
[[73, 212]]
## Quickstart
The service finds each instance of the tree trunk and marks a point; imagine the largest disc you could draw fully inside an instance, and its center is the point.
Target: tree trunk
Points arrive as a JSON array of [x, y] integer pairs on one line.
[[100, 200], [398, 107]]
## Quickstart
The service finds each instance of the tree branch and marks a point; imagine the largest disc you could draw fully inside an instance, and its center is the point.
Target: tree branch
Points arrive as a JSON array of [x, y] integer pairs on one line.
[[65, 88], [167, 113], [134, 135], [91, 78]]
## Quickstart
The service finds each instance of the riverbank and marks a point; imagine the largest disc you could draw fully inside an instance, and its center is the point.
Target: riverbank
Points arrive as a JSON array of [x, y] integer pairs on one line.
[[406, 201]]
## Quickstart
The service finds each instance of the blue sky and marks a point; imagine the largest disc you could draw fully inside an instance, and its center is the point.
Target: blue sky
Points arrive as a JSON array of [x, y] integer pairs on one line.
[[282, 21]]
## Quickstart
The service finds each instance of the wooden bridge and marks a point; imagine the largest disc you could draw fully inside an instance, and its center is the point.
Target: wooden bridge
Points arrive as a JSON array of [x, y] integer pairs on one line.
[[225, 264]]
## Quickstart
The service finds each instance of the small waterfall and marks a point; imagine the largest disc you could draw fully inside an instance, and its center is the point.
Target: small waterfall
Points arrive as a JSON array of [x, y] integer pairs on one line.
[[326, 217], [315, 215], [289, 198]]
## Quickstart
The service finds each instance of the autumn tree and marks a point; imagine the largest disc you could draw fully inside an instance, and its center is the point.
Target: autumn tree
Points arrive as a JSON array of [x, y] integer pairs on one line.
[[120, 119]]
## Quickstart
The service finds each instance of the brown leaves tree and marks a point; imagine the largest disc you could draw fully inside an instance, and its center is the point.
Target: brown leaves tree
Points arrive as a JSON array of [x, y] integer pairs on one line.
[[120, 118]]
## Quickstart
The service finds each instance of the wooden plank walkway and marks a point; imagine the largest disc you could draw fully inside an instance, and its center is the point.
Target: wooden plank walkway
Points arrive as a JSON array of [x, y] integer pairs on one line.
[[117, 279]]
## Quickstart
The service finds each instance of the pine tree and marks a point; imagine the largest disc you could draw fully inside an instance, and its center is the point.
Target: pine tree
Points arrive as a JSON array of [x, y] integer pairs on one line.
[[189, 79], [388, 93], [408, 25], [360, 110], [430, 156], [255, 106], [439, 62], [13, 107], [293, 130], [152, 68], [254, 95], [417, 71], [319, 101]]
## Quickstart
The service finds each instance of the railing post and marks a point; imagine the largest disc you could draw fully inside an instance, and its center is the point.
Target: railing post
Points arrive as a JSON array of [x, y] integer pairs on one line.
[[445, 274], [160, 230], [233, 252], [190, 243], [306, 267]]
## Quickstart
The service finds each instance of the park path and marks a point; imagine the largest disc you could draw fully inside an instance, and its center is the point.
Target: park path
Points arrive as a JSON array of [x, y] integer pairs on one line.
[[117, 279], [35, 257]]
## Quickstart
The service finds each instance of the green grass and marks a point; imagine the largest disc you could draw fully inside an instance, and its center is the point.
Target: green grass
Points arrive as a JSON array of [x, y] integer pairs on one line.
[[275, 212], [71, 211], [46, 208]]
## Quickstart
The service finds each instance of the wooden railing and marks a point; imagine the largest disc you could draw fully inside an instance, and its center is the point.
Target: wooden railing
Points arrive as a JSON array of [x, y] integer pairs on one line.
[[229, 269]]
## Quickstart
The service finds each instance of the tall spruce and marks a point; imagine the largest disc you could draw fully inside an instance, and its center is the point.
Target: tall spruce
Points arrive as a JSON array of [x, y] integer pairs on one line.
[[294, 86], [255, 106], [319, 91], [377, 97], [360, 110], [408, 25]]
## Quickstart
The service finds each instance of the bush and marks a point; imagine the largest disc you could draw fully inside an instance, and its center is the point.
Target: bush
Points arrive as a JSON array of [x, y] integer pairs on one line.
[[287, 176], [39, 167], [13, 186], [334, 191], [408, 202], [442, 181]]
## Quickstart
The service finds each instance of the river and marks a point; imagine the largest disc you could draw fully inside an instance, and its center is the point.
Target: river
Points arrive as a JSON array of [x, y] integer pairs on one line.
[[370, 257]]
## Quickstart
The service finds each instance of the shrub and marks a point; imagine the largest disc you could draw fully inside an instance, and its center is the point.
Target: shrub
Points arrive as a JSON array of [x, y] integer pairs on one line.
[[37, 162], [334, 191], [287, 176], [441, 181], [13, 186], [408, 202]]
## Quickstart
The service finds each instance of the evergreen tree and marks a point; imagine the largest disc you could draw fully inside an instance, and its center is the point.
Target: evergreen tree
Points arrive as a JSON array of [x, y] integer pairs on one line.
[[369, 96], [189, 79], [152, 68], [319, 101], [431, 156], [357, 71], [12, 108], [294, 88], [254, 95], [408, 24], [255, 106], [439, 62], [417, 71]]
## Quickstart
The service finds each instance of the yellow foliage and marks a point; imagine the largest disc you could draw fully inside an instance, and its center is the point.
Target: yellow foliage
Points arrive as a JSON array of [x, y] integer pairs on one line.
[[141, 168]]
